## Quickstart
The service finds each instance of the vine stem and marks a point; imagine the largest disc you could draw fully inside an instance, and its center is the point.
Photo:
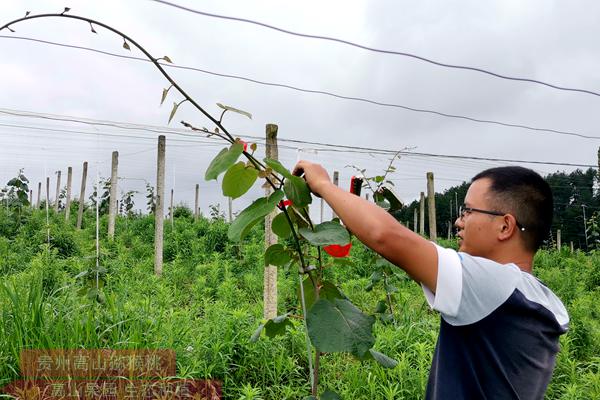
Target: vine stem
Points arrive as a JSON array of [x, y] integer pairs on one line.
[[389, 298], [228, 138]]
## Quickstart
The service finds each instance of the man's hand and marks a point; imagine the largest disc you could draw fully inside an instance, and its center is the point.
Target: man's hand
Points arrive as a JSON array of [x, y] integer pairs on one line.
[[315, 176], [375, 227]]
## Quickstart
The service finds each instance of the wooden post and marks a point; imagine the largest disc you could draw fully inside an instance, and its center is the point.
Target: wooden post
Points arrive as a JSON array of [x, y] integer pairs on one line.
[[82, 195], [336, 182], [112, 204], [558, 240], [431, 207], [270, 272], [37, 204], [415, 219], [572, 247], [422, 215], [68, 203], [196, 210], [171, 209], [160, 206], [57, 191]]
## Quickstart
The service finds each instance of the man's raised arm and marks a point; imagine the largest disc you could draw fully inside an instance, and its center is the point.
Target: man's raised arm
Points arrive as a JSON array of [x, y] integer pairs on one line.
[[373, 226]]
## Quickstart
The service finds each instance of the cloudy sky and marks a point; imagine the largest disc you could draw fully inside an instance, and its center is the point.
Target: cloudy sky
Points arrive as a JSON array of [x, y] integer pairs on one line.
[[550, 41]]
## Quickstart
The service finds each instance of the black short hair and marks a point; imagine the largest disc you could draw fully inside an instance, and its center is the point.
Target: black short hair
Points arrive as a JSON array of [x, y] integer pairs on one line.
[[525, 194]]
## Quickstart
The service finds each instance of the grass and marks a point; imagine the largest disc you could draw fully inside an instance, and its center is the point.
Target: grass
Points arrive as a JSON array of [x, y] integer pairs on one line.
[[208, 303]]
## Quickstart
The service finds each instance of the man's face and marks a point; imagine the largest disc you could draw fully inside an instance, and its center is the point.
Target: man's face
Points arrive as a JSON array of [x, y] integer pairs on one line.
[[477, 231]]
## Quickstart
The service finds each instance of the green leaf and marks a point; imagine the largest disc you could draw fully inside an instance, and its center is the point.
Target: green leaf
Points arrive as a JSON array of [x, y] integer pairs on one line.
[[228, 108], [330, 395], [278, 167], [325, 234], [389, 289], [238, 180], [381, 307], [257, 333], [277, 255], [382, 359], [173, 111], [252, 214], [225, 159], [296, 189], [376, 276], [276, 326], [328, 291], [280, 226], [309, 398], [339, 326]]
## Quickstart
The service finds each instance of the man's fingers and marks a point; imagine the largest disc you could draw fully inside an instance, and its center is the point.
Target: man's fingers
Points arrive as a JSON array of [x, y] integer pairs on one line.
[[298, 169]]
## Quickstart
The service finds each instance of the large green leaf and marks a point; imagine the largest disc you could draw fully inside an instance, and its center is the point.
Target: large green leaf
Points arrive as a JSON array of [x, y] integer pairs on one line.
[[225, 159], [238, 179], [326, 233], [276, 326], [327, 291], [330, 395], [339, 326], [297, 191], [252, 214], [277, 255], [278, 167], [273, 327], [381, 358], [280, 226]]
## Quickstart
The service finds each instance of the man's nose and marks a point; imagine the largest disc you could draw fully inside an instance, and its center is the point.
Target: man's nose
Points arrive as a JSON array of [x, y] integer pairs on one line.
[[459, 223]]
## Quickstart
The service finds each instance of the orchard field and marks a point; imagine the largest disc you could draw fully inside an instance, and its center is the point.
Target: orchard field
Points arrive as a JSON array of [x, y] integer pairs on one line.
[[208, 303]]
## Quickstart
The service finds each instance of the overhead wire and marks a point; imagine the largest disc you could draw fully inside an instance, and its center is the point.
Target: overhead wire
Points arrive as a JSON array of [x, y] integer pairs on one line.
[[328, 146], [376, 50], [327, 93]]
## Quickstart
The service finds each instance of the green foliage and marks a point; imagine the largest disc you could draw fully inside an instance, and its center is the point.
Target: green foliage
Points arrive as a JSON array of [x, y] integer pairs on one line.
[[209, 302], [225, 159], [238, 179], [252, 214], [326, 233], [297, 191]]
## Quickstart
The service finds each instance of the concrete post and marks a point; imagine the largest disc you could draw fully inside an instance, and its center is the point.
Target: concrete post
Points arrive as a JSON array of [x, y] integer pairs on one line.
[[558, 240], [57, 191], [431, 207], [112, 204], [47, 193], [68, 203], [82, 195], [171, 209], [196, 207], [39, 194], [415, 219], [336, 182], [270, 272], [159, 213], [422, 215]]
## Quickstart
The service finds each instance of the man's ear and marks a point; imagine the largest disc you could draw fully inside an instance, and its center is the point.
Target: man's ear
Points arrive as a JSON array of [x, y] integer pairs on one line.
[[508, 227]]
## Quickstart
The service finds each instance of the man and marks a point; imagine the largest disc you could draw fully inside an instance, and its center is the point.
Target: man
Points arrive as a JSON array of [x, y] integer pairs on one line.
[[499, 326]]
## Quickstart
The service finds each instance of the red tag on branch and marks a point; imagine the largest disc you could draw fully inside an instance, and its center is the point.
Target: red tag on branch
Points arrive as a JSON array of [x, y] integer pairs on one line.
[[245, 145], [285, 203], [336, 250]]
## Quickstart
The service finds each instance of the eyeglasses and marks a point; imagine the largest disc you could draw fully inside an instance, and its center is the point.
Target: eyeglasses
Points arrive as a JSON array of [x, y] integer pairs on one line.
[[468, 210]]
